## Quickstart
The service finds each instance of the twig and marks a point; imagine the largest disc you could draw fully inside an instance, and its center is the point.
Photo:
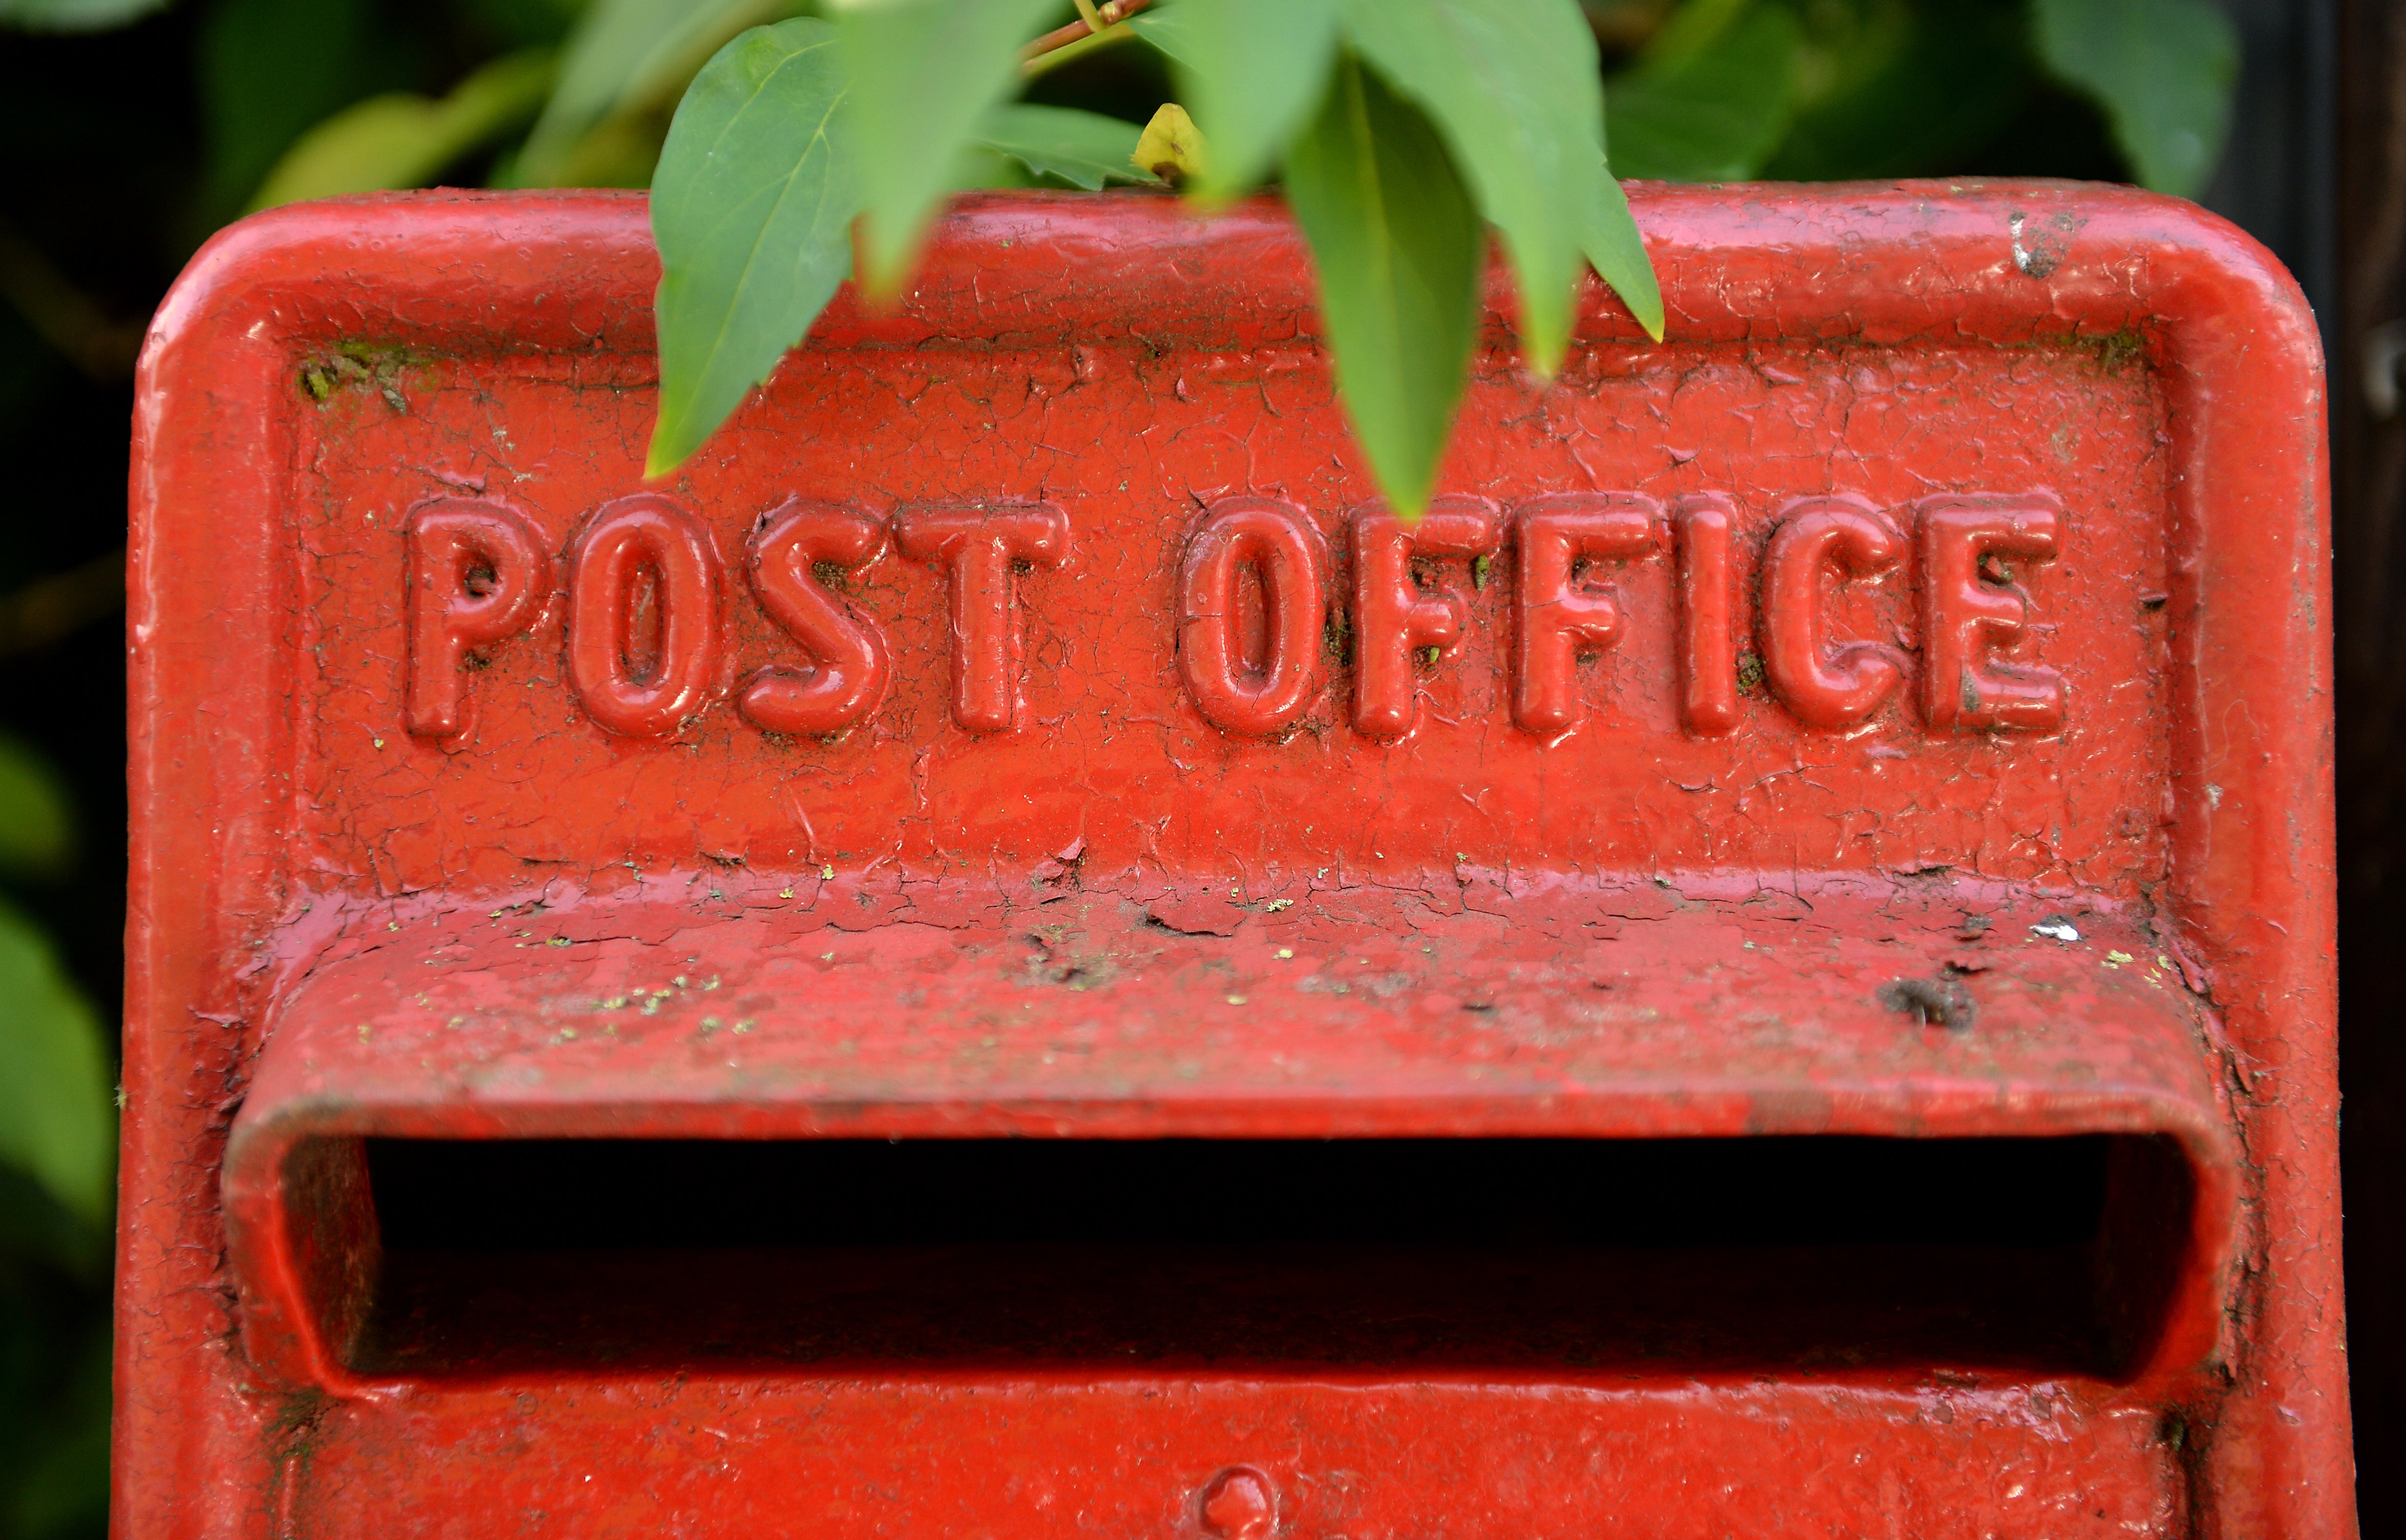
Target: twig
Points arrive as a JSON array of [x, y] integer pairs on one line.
[[65, 315], [1110, 16], [56, 606]]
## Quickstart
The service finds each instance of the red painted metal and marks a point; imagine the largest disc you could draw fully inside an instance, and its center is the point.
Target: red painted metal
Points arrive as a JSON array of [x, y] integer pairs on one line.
[[846, 675], [1561, 619], [1276, 541], [1893, 707]]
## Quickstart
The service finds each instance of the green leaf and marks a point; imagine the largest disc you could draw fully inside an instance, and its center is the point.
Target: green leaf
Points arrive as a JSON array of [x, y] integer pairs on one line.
[[403, 140], [1082, 149], [1692, 29], [1512, 85], [1400, 251], [36, 820], [628, 56], [751, 208], [1165, 27], [1706, 109], [75, 15], [1618, 254], [1892, 91], [269, 70], [2164, 71], [922, 73], [512, 24], [978, 169], [1249, 71], [56, 1118]]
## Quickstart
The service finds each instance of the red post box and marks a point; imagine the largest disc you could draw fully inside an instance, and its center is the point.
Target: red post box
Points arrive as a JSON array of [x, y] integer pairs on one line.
[[1008, 954]]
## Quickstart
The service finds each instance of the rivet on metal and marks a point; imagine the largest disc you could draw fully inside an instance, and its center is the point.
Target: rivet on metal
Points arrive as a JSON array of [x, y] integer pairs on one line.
[[1240, 1504]]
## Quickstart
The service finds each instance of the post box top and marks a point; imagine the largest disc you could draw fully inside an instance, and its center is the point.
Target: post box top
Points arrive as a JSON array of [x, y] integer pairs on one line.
[[559, 285]]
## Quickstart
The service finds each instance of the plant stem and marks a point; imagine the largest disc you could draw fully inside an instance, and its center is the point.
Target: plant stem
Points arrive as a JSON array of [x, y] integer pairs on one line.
[[44, 610], [1108, 16], [65, 315]]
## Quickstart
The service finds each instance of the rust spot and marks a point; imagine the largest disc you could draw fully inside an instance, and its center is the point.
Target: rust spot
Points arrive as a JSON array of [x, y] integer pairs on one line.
[[1931, 1002]]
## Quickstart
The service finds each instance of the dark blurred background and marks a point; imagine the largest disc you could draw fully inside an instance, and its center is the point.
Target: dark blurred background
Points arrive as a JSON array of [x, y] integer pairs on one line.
[[131, 129]]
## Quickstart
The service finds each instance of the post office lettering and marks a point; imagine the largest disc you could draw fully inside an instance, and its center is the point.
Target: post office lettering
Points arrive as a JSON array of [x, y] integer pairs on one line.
[[641, 596]]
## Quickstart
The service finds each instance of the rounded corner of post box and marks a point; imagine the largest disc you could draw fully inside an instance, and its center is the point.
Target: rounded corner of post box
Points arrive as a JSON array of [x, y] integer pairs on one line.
[[2241, 271], [2229, 316], [258, 1147], [274, 275], [257, 1140], [219, 282], [289, 1181]]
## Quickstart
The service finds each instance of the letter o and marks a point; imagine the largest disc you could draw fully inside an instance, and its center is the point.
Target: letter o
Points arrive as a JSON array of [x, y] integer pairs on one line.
[[1276, 540], [622, 538]]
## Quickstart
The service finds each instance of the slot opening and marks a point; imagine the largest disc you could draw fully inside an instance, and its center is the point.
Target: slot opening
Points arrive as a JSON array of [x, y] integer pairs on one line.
[[1793, 1255]]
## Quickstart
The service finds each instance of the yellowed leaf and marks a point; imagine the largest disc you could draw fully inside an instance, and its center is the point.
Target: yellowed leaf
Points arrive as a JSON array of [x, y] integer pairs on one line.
[[1170, 146], [404, 140]]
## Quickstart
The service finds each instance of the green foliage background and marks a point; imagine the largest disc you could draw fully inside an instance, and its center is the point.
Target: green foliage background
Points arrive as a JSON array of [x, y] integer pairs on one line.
[[131, 129]]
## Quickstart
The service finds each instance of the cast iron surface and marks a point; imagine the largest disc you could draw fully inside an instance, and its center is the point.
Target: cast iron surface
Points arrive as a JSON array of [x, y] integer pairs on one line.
[[1110, 849]]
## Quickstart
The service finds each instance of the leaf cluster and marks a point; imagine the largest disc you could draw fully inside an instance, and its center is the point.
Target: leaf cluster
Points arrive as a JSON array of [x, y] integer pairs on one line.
[[1407, 134], [784, 147], [1405, 130], [1816, 90]]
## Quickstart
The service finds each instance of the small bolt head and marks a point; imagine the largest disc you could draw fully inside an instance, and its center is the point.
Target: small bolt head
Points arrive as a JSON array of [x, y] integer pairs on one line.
[[1240, 1504]]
